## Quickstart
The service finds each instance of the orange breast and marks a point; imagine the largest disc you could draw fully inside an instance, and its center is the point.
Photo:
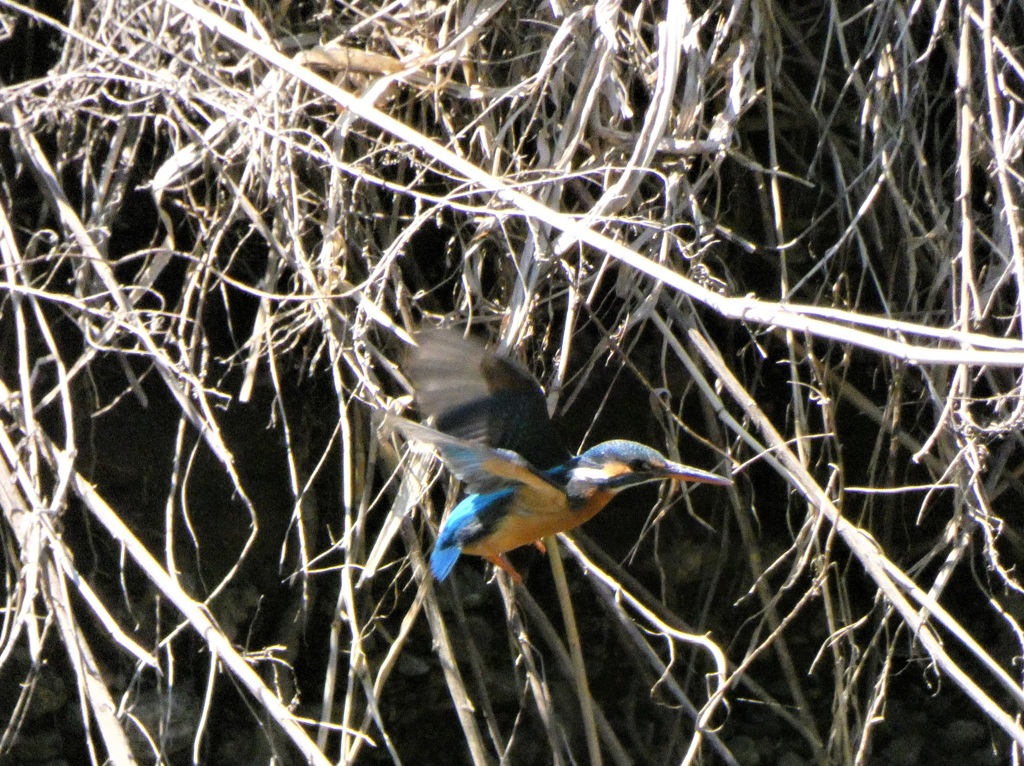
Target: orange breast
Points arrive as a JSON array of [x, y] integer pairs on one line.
[[522, 525]]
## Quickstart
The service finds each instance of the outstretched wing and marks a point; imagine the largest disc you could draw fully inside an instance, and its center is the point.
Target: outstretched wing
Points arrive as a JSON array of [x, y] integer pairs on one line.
[[485, 470], [479, 397]]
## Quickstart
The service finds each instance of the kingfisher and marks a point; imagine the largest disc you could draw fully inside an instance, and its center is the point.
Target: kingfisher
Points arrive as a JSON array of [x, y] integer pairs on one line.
[[492, 431]]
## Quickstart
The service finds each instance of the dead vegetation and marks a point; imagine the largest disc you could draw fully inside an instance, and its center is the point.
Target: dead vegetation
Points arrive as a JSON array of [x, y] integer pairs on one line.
[[782, 236]]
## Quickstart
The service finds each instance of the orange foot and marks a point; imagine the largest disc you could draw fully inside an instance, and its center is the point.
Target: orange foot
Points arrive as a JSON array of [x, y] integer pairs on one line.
[[499, 560], [540, 546]]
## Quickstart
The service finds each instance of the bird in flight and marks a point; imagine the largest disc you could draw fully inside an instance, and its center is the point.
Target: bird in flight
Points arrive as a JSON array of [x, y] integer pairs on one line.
[[492, 430]]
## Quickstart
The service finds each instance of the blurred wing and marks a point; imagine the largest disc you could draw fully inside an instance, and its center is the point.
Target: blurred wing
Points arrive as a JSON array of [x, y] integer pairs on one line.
[[445, 370], [479, 397], [484, 470]]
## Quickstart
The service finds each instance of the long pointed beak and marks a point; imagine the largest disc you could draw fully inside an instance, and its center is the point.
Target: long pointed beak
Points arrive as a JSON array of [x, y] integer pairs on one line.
[[681, 472]]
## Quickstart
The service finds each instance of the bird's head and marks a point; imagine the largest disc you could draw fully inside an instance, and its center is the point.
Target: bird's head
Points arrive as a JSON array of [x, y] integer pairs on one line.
[[615, 465]]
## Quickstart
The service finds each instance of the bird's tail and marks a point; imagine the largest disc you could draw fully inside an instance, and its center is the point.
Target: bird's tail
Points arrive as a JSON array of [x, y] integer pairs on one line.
[[443, 559]]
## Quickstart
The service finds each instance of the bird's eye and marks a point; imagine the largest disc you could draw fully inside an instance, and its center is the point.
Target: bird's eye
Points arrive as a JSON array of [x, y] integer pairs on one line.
[[639, 465]]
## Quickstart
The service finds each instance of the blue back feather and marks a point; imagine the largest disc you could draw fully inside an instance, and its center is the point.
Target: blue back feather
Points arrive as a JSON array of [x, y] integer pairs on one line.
[[469, 521]]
